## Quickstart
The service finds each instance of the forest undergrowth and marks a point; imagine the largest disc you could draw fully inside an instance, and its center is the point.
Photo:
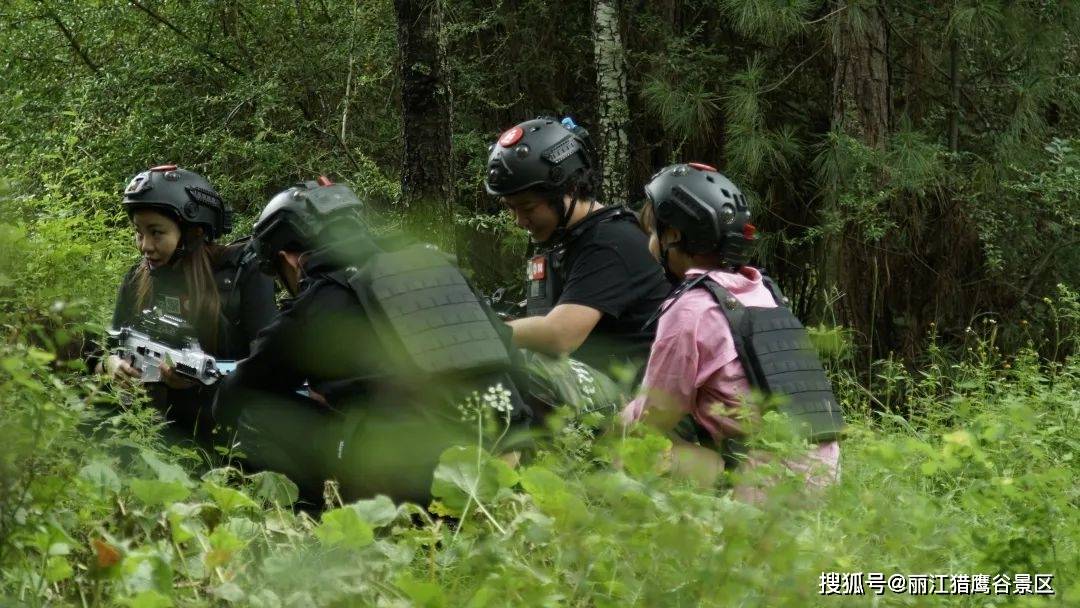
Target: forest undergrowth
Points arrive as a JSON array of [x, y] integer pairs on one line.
[[962, 465]]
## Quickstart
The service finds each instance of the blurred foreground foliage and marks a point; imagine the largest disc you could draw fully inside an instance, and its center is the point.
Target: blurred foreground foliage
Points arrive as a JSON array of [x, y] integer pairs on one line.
[[971, 469]]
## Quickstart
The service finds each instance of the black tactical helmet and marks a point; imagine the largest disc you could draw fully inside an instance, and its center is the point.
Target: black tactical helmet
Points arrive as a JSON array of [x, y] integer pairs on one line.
[[542, 153], [184, 194], [707, 208], [299, 218]]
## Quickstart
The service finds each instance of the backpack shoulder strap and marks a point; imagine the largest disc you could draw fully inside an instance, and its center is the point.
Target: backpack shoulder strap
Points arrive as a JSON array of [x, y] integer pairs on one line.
[[774, 289], [237, 259], [675, 295], [739, 320]]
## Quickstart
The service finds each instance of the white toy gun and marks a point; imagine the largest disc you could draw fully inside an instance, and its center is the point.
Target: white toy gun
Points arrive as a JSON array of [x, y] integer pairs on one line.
[[164, 339]]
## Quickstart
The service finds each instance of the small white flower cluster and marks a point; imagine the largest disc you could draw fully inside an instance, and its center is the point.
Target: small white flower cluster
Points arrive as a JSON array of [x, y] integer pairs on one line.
[[496, 398], [585, 381]]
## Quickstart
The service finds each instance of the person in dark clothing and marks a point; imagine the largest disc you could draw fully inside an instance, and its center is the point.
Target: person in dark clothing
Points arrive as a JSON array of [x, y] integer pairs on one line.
[[177, 216], [390, 340], [592, 283]]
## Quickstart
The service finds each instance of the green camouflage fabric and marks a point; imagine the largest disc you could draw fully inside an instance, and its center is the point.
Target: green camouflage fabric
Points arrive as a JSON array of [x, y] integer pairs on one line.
[[564, 381]]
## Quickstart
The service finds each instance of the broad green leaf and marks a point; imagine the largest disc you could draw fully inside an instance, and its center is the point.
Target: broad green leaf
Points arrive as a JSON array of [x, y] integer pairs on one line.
[[550, 493], [148, 599], [422, 593], [230, 592], [180, 523], [273, 487], [465, 470], [154, 492], [345, 527], [145, 569], [223, 545], [378, 511], [644, 456], [165, 471], [100, 475], [227, 498]]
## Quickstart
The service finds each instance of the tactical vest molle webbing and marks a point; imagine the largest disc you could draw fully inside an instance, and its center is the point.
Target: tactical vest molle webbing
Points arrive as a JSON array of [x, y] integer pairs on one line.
[[426, 313], [237, 258], [546, 273], [775, 350]]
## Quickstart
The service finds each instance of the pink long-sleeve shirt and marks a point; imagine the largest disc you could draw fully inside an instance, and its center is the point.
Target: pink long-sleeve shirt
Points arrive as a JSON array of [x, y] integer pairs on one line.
[[693, 366]]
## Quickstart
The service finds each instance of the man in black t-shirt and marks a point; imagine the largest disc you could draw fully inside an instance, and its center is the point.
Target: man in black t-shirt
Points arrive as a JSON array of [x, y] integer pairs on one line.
[[592, 283]]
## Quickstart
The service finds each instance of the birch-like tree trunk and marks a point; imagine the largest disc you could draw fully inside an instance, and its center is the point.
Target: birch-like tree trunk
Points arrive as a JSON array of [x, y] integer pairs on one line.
[[426, 110], [614, 112]]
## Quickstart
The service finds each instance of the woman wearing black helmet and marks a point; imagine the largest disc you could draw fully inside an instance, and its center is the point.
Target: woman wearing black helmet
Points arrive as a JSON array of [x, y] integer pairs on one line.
[[177, 217], [724, 330]]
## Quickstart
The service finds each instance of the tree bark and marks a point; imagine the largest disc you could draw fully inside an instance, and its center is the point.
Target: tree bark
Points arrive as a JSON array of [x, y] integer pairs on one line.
[[861, 109], [426, 167], [614, 112], [861, 74], [954, 93]]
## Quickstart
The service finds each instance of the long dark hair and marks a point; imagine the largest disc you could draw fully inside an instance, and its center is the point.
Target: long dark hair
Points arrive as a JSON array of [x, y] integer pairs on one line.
[[197, 261]]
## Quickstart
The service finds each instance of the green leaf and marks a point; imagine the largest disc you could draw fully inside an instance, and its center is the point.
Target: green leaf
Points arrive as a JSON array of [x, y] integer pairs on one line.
[[346, 528], [379, 511], [465, 470], [223, 545], [550, 493], [422, 593], [274, 488], [100, 475], [154, 492], [57, 569], [644, 456], [227, 498], [165, 471], [148, 599], [178, 516], [230, 592]]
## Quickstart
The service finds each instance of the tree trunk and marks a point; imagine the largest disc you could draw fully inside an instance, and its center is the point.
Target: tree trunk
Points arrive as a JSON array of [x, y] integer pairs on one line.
[[614, 113], [861, 110], [426, 167], [861, 74], [954, 93]]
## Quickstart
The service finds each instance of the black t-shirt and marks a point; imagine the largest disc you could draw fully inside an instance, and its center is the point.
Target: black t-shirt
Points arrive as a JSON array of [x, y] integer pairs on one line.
[[608, 267]]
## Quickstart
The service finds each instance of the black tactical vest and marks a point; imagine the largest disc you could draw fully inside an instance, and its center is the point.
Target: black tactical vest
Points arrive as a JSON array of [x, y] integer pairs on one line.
[[426, 314], [778, 357], [170, 291], [237, 259], [545, 272]]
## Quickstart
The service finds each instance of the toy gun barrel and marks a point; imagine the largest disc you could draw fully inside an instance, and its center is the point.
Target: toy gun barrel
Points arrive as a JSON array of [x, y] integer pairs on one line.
[[145, 353]]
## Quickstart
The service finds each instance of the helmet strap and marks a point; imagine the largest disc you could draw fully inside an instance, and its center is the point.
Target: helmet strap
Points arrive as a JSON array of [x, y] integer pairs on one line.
[[565, 213], [674, 280]]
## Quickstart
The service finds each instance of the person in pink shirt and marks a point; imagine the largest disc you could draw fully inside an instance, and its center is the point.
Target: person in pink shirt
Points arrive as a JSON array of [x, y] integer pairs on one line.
[[699, 224]]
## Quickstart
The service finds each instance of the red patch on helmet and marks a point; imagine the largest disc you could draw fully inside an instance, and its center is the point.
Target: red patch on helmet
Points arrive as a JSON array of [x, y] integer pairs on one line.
[[164, 168], [703, 167], [511, 137], [748, 231], [324, 181]]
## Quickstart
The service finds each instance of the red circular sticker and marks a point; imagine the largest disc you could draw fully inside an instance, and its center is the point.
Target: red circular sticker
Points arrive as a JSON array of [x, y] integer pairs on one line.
[[703, 167], [164, 168], [511, 137]]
